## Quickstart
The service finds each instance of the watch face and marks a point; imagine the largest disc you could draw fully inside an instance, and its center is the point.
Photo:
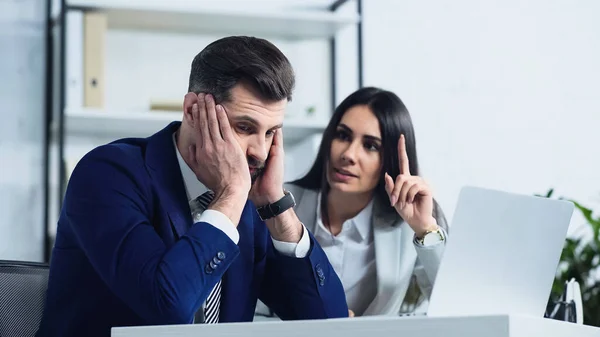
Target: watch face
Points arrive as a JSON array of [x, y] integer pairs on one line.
[[432, 238]]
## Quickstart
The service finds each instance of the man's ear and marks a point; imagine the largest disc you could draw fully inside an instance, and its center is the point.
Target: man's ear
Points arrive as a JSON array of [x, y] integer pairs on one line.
[[188, 101]]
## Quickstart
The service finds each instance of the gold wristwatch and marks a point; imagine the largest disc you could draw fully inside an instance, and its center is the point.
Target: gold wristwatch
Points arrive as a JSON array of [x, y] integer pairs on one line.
[[432, 237]]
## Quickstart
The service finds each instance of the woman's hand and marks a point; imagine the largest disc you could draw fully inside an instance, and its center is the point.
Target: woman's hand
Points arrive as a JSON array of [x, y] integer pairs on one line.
[[411, 196]]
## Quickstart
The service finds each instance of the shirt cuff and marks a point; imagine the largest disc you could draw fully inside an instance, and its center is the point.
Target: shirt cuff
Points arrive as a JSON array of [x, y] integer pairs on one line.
[[298, 250], [222, 222]]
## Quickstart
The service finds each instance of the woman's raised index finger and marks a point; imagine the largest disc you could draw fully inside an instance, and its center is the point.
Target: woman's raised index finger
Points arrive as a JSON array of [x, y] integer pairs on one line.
[[403, 156]]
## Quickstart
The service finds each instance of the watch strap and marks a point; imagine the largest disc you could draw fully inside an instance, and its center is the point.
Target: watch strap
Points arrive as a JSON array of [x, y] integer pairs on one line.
[[274, 209]]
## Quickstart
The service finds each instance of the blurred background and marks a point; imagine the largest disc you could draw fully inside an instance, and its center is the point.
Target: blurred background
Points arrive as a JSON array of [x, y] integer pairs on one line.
[[503, 94]]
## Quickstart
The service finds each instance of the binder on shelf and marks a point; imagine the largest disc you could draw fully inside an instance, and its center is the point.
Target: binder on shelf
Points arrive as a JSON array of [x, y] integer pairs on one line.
[[95, 25], [166, 105]]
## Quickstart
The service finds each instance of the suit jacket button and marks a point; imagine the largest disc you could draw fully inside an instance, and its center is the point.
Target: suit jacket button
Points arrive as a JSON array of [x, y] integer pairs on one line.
[[208, 269], [320, 274], [216, 261], [221, 256], [212, 265]]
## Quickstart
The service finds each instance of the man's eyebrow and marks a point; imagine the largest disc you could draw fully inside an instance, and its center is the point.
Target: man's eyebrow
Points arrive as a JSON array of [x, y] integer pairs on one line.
[[254, 121], [245, 118]]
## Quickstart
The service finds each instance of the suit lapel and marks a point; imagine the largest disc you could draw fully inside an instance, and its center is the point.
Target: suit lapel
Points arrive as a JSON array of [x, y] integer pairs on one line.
[[394, 258], [306, 205], [161, 160]]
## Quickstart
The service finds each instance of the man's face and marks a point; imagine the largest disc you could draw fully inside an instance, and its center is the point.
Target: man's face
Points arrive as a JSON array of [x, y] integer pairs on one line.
[[254, 122]]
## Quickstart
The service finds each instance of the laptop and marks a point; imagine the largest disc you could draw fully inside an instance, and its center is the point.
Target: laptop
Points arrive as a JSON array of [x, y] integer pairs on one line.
[[501, 256]]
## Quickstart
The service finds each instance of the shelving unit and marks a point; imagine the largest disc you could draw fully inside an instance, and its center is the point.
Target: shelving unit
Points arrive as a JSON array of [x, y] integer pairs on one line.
[[196, 21], [195, 17], [101, 123]]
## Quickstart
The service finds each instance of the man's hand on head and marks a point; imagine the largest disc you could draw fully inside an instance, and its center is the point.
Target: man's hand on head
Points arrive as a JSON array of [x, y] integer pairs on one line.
[[217, 158], [268, 187]]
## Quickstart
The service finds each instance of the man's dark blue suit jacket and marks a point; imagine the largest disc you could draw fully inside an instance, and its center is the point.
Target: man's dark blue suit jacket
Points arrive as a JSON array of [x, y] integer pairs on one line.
[[127, 252]]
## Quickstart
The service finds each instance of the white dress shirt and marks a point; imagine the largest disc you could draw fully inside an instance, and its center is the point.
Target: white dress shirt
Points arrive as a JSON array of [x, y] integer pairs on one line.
[[352, 255], [194, 188]]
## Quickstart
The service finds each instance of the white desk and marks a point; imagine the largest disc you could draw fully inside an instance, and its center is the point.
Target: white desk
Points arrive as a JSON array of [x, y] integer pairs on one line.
[[484, 326]]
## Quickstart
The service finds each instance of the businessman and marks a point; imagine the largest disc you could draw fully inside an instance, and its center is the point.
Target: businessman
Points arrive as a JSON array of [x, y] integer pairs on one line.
[[192, 225]]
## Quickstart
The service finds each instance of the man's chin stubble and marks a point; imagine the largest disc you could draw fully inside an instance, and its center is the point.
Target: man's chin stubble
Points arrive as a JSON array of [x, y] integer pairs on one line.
[[254, 177]]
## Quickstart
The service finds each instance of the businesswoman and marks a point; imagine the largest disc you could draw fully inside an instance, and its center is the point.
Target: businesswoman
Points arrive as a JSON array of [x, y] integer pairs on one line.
[[369, 209]]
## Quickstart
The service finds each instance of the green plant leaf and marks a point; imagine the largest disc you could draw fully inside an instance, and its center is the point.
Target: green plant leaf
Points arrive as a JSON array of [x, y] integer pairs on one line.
[[580, 259], [586, 212], [548, 194], [588, 215]]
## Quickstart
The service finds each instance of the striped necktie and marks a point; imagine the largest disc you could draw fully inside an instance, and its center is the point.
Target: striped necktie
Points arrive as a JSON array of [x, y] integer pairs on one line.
[[209, 313]]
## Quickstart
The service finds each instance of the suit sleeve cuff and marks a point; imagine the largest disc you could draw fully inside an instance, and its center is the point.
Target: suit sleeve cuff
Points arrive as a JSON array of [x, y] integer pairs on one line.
[[298, 250], [222, 222]]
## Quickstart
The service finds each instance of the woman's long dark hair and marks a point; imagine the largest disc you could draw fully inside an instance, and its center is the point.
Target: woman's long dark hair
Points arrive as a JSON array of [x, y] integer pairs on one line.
[[394, 120]]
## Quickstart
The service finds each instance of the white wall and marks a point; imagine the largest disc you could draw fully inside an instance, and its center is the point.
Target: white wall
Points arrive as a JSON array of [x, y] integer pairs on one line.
[[22, 109], [503, 93]]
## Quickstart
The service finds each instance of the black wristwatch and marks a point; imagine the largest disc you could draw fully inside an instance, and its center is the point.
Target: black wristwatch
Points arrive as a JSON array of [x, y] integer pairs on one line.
[[272, 210]]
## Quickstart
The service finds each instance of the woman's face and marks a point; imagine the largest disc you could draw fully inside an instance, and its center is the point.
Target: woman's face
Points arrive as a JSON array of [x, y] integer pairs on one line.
[[355, 158]]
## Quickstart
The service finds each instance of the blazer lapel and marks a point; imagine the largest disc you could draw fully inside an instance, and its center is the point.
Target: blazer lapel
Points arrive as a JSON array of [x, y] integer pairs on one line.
[[306, 205], [161, 160], [394, 259]]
